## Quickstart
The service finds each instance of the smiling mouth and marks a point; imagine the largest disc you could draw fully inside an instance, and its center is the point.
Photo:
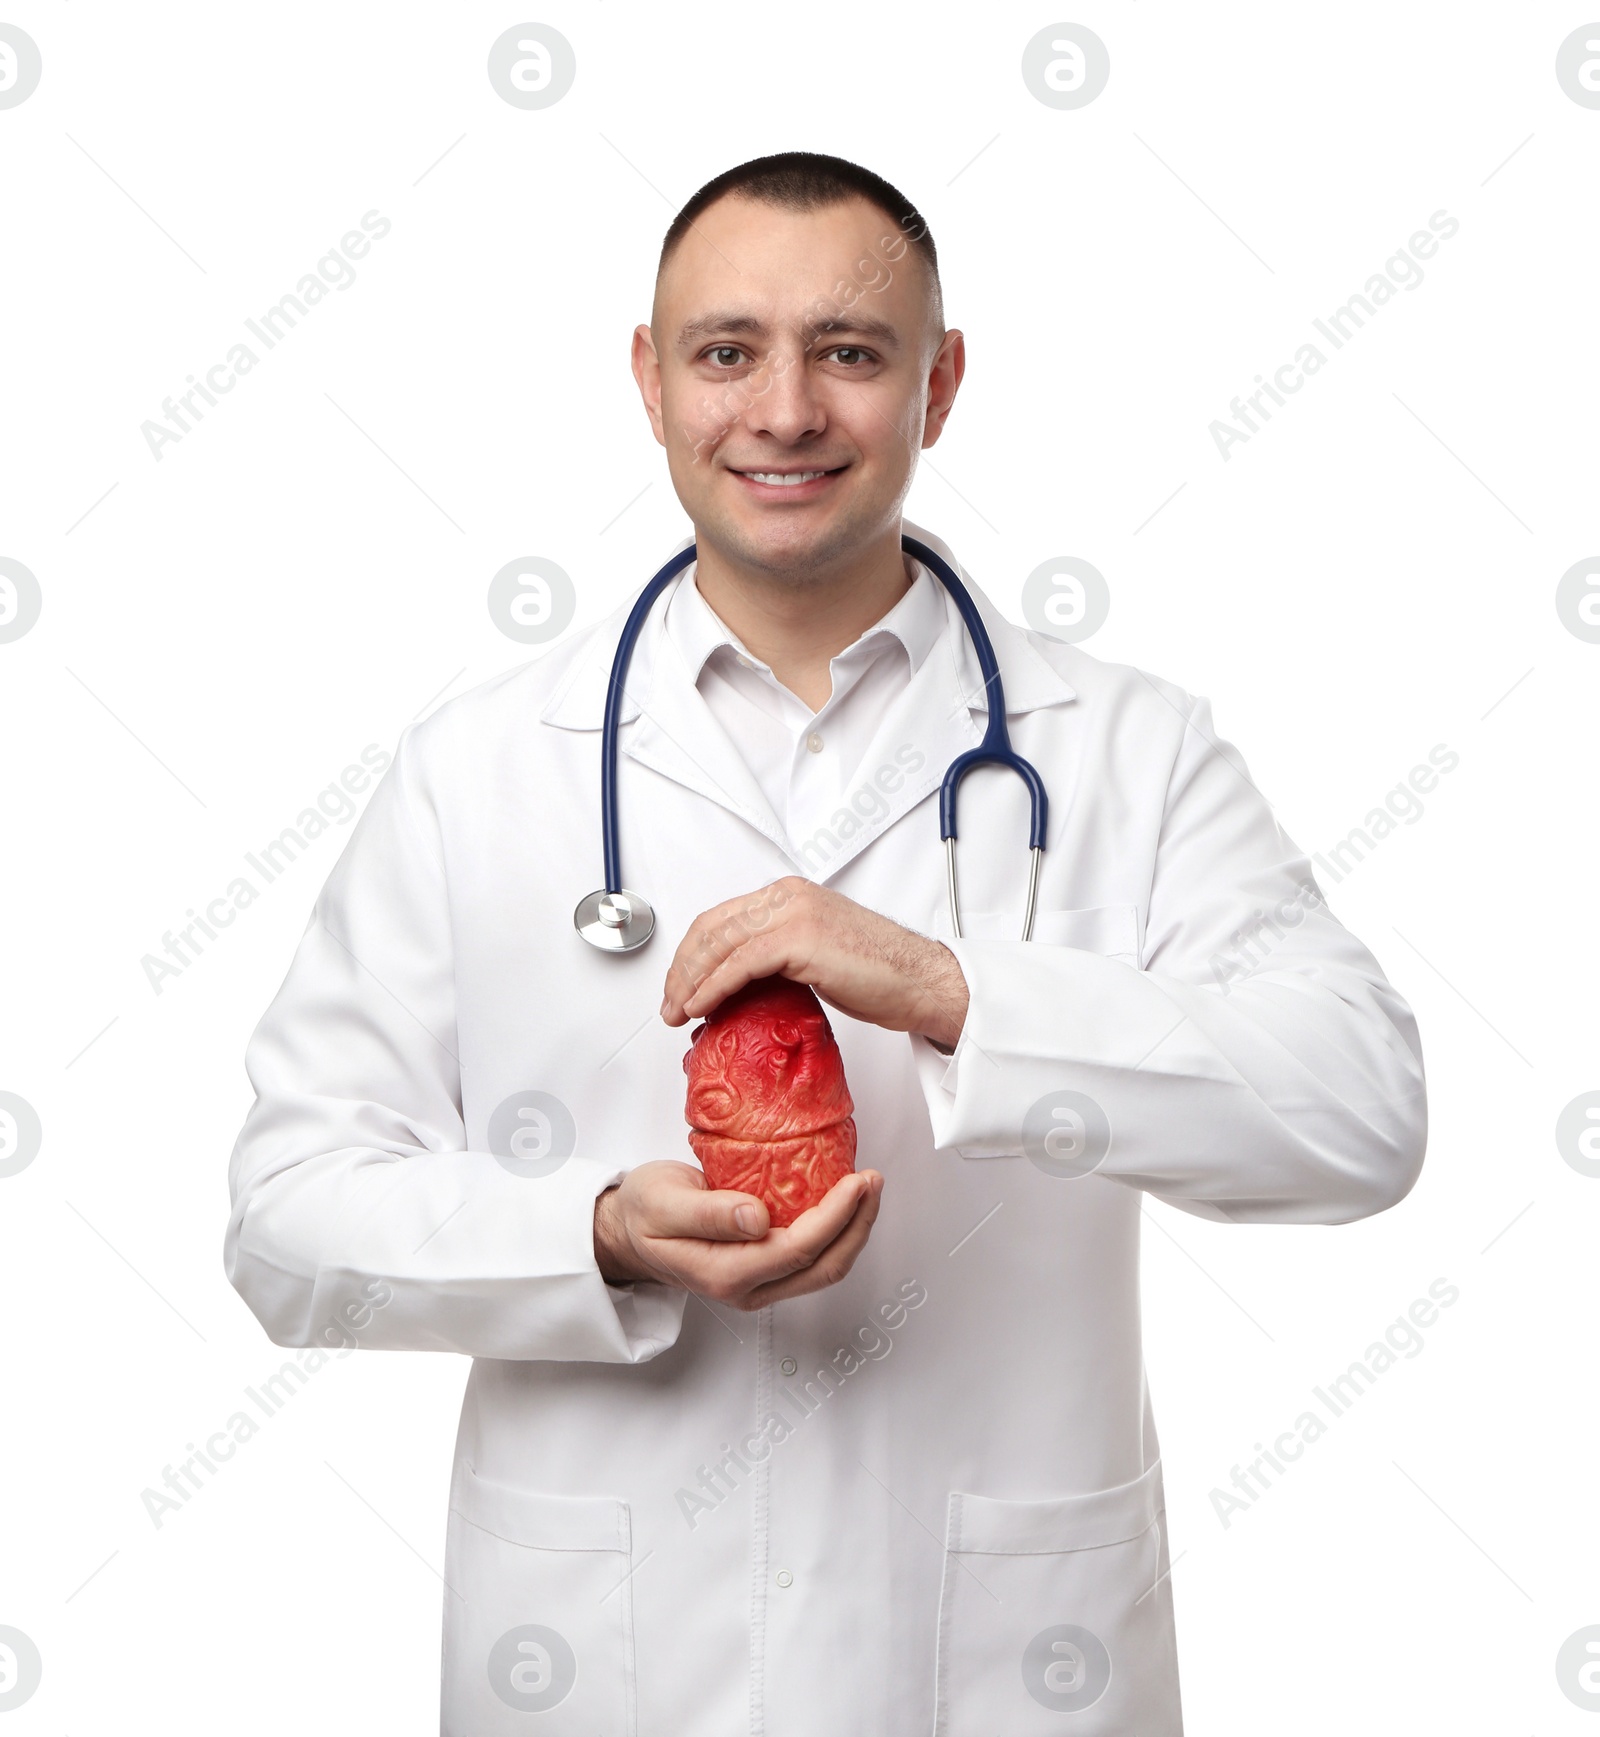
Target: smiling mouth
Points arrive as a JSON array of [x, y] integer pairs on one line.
[[787, 479]]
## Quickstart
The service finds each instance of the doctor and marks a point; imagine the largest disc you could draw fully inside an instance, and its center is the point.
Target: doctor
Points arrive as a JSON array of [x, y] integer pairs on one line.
[[893, 1469]]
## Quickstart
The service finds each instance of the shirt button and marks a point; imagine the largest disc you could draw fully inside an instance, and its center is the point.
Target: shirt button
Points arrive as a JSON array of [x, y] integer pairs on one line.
[[785, 1578], [814, 742], [788, 1366]]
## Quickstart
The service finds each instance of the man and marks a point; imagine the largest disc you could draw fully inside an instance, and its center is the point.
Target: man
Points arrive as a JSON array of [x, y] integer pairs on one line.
[[893, 1466]]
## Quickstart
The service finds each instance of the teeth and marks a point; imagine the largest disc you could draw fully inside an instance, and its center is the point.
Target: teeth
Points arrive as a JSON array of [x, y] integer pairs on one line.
[[792, 479]]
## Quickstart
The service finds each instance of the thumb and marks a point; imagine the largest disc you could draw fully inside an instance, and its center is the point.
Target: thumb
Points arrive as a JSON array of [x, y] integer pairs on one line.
[[723, 1215]]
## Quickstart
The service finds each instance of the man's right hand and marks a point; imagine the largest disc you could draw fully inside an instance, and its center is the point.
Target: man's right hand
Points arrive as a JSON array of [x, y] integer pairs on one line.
[[664, 1222]]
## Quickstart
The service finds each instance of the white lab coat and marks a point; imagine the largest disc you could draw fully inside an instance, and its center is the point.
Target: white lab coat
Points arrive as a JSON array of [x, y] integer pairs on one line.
[[931, 1495]]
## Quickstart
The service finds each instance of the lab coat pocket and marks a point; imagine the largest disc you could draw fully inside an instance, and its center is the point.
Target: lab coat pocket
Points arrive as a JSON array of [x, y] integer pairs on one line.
[[538, 1613], [1057, 1606], [1111, 930]]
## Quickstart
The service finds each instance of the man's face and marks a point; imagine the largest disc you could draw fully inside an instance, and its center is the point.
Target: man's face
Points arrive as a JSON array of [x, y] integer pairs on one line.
[[795, 345]]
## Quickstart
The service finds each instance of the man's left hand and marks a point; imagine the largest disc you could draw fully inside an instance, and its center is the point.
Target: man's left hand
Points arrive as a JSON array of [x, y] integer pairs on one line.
[[856, 960]]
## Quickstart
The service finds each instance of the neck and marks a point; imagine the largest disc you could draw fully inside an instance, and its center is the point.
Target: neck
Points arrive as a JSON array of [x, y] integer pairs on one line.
[[797, 622]]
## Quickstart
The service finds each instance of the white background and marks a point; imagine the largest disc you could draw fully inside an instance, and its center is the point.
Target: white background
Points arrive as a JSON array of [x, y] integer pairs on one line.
[[1372, 574]]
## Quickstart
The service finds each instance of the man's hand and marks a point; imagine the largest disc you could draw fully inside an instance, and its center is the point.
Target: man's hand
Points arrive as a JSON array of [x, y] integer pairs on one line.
[[855, 959], [664, 1221]]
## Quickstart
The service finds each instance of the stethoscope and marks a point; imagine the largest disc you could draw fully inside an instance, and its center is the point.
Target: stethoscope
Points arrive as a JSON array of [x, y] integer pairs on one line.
[[621, 922]]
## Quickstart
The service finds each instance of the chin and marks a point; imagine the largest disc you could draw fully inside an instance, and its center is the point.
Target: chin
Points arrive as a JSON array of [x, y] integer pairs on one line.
[[782, 542], [790, 548]]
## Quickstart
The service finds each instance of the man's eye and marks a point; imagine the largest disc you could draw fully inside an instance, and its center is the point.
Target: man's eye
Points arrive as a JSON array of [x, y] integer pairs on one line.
[[726, 355], [850, 355]]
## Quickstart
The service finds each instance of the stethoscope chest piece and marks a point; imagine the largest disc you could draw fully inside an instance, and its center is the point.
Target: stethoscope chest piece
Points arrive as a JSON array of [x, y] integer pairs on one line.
[[618, 922]]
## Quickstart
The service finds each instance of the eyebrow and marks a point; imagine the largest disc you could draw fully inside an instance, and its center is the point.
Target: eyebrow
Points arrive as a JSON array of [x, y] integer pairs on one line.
[[730, 324]]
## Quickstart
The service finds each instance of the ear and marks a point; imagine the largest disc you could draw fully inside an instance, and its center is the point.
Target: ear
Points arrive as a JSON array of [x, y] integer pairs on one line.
[[647, 372], [944, 380]]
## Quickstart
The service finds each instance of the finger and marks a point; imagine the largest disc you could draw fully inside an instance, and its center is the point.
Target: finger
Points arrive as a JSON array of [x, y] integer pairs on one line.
[[707, 942], [821, 1224], [811, 1260], [714, 936], [786, 952], [729, 1273], [833, 1263]]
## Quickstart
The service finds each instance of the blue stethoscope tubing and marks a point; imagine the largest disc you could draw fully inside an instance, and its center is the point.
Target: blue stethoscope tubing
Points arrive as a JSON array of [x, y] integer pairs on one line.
[[620, 921]]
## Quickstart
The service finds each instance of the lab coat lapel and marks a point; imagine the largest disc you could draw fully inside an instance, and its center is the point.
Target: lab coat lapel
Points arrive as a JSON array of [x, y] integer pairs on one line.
[[925, 727], [941, 713], [675, 734], [665, 724]]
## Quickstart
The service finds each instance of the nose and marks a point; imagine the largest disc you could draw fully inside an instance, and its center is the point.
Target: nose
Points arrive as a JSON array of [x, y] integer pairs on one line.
[[785, 403]]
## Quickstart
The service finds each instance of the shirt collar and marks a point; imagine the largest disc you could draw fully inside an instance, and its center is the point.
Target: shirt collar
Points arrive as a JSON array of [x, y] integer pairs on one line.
[[1034, 666], [916, 620]]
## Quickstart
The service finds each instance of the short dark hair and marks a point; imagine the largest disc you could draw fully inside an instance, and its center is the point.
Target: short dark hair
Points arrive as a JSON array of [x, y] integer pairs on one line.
[[808, 181]]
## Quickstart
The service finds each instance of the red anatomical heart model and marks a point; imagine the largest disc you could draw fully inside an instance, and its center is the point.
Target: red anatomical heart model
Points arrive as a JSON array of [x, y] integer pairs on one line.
[[769, 1113]]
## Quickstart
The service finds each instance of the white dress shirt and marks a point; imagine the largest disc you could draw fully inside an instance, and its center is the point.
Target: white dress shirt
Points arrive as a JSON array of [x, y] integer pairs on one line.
[[804, 761]]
